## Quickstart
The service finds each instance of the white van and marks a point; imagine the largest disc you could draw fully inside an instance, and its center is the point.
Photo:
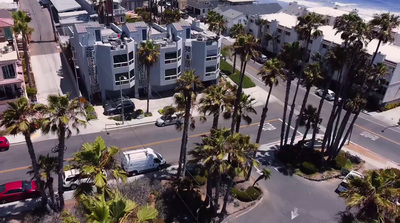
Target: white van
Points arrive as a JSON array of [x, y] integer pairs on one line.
[[141, 160], [345, 182], [71, 181]]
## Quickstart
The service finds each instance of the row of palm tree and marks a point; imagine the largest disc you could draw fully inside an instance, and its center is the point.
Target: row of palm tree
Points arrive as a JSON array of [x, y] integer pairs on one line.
[[59, 117]]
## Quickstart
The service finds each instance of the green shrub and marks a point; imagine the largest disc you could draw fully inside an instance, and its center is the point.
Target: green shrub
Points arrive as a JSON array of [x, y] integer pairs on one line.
[[308, 168], [250, 194], [200, 180], [390, 106], [148, 114], [31, 91], [340, 160], [90, 112]]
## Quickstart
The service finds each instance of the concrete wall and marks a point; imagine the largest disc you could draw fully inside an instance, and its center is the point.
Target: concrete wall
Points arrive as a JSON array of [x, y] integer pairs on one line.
[[393, 89]]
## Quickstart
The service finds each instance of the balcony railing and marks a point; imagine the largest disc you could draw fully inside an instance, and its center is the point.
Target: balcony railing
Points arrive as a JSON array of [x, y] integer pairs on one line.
[[119, 11], [211, 73], [122, 64], [212, 57], [172, 60], [173, 76]]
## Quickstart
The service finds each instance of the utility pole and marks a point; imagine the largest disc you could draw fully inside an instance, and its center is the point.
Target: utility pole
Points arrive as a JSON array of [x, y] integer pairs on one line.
[[122, 102]]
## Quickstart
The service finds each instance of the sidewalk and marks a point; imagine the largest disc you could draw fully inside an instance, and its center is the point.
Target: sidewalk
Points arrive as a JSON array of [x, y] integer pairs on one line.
[[391, 117]]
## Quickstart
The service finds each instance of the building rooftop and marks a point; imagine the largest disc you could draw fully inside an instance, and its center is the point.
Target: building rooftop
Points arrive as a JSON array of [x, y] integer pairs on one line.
[[7, 52], [180, 24], [329, 32], [73, 17], [65, 5], [391, 51], [81, 28], [132, 27], [199, 4], [231, 13], [5, 14], [283, 19], [253, 9], [328, 11], [239, 1]]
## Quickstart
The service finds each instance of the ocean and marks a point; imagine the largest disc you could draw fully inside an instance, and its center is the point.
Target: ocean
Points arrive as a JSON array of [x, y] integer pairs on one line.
[[364, 7]]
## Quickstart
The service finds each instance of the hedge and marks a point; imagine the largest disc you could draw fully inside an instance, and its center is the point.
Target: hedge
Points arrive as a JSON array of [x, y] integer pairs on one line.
[[308, 168], [250, 194]]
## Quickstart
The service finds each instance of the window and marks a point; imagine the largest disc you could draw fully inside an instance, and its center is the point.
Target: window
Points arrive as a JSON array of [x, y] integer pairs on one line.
[[310, 42], [240, 21], [131, 57], [204, 11], [279, 31], [120, 58], [2, 188], [251, 20], [211, 69], [144, 34], [187, 33], [26, 185], [278, 41], [179, 53], [250, 31], [171, 55], [170, 72], [324, 46], [131, 75], [179, 69], [287, 33], [267, 26], [124, 78], [97, 33], [15, 191], [8, 71]]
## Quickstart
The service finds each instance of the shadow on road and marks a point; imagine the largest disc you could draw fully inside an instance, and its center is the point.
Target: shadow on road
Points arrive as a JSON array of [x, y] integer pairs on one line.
[[267, 158]]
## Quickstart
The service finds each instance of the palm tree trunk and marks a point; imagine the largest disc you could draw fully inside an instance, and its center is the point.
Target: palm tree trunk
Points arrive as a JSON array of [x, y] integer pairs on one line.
[[260, 128], [26, 57], [148, 89], [376, 52], [288, 83], [234, 63], [216, 119], [226, 197], [182, 158], [209, 191], [61, 146], [333, 148], [239, 120], [308, 125], [217, 191], [238, 97], [292, 112], [51, 189], [35, 168], [347, 133], [300, 114]]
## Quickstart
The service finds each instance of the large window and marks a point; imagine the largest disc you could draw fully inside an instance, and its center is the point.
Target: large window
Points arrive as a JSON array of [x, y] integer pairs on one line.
[[132, 75], [187, 33], [98, 36], [171, 57], [121, 78], [211, 69], [120, 60], [131, 57], [144, 34], [171, 74], [8, 71]]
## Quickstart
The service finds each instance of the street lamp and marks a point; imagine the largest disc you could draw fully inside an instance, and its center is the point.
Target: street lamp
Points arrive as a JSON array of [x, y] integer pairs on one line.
[[120, 90], [393, 126]]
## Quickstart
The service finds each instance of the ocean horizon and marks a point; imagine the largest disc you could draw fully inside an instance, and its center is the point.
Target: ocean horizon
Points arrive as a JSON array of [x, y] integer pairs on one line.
[[365, 7]]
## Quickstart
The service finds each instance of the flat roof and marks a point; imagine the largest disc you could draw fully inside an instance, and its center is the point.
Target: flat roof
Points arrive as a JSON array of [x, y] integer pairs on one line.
[[10, 55], [237, 1], [327, 11], [65, 5], [328, 33], [283, 19]]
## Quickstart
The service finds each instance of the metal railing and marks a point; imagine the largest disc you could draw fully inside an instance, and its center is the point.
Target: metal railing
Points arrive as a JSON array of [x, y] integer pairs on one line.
[[215, 72], [172, 60], [122, 64], [212, 57]]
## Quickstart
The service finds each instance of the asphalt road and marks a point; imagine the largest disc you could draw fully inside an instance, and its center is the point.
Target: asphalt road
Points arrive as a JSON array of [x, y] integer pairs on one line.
[[367, 131]]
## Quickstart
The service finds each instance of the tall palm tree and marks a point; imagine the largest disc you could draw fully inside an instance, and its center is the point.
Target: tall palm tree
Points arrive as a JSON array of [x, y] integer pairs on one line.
[[375, 196], [246, 106], [20, 117], [148, 55], [95, 158], [215, 100], [290, 56], [21, 27], [347, 25], [237, 29], [273, 38], [47, 166], [309, 119], [185, 99], [245, 46], [62, 116], [261, 23], [381, 27], [170, 16], [311, 74], [216, 22]]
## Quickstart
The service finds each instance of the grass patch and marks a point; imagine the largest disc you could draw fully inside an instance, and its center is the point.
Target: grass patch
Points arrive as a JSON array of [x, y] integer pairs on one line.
[[226, 68], [250, 194]]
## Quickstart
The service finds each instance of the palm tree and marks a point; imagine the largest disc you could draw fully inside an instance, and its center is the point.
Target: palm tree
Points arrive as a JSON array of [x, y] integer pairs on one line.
[[170, 16], [261, 23], [216, 22], [47, 166], [381, 27], [348, 25], [312, 74], [93, 160], [21, 27], [148, 55], [237, 29], [290, 56], [268, 37], [20, 117], [185, 99], [245, 108], [216, 99], [309, 118], [375, 196], [245, 47], [62, 116], [265, 174]]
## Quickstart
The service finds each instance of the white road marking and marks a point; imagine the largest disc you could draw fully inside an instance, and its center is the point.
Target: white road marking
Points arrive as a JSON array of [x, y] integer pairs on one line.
[[268, 127], [294, 214], [369, 135], [290, 127]]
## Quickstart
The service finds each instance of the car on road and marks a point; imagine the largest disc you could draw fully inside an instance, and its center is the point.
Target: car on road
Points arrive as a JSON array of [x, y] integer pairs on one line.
[[18, 190], [168, 120], [330, 95], [115, 108], [261, 59], [113, 100], [4, 143], [72, 179], [141, 160], [345, 182]]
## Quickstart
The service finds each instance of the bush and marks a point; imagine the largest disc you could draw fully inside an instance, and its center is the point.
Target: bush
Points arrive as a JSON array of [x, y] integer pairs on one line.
[[250, 194], [148, 114], [31, 91], [308, 168], [90, 112], [390, 106], [353, 158], [200, 180], [340, 161]]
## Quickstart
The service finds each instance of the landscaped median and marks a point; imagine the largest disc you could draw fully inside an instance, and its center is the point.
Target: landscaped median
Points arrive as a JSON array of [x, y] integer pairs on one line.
[[226, 68]]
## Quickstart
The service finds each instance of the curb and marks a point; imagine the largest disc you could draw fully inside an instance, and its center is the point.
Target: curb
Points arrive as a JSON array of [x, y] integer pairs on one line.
[[243, 211], [384, 158], [123, 126]]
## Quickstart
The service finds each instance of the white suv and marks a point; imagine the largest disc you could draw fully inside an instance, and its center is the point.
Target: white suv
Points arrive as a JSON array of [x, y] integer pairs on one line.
[[345, 182], [71, 180]]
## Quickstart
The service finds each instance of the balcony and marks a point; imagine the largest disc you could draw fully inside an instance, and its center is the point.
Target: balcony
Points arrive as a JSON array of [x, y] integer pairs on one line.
[[122, 64], [173, 77], [172, 60], [212, 73], [119, 11], [212, 57]]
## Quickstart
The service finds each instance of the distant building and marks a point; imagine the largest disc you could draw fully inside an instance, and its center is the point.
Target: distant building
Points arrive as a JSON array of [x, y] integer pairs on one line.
[[200, 8], [131, 5]]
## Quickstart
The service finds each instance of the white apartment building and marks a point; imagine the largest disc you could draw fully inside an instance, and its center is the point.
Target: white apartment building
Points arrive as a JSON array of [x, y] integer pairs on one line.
[[106, 59]]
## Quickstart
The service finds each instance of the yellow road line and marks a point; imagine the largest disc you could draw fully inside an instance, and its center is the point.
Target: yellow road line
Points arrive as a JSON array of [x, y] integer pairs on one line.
[[141, 146], [383, 137]]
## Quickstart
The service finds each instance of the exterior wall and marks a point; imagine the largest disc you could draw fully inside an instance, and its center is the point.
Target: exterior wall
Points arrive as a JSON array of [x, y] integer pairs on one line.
[[252, 26], [132, 4], [231, 22], [393, 88], [206, 54], [5, 34]]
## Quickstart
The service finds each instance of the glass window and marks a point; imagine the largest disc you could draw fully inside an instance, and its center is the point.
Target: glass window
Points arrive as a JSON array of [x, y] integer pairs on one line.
[[15, 191], [2, 188], [179, 69], [120, 58], [170, 72], [97, 33], [26, 185], [132, 74], [144, 34], [187, 33], [179, 52], [287, 33], [130, 55], [8, 71], [170, 55], [211, 69], [279, 31], [123, 80], [278, 41]]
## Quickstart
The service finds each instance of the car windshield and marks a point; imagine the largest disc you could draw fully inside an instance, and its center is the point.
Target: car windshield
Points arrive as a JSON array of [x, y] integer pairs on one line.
[[263, 56], [159, 156], [2, 188], [26, 185]]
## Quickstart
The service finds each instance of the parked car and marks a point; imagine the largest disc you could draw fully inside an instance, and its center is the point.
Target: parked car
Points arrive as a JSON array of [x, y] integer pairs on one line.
[[141, 160], [115, 108], [330, 96], [18, 190], [345, 182], [114, 100], [168, 120], [4, 143], [261, 59], [72, 179]]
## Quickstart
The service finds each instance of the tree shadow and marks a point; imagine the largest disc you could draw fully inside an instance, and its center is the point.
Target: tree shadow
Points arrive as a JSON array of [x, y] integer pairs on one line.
[[267, 158], [346, 217]]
